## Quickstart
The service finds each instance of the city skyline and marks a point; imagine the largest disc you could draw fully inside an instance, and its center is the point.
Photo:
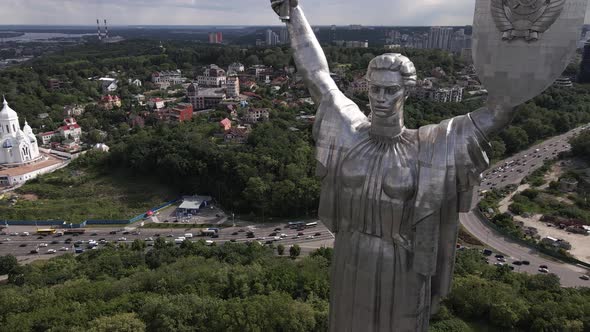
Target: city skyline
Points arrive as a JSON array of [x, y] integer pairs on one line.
[[246, 12]]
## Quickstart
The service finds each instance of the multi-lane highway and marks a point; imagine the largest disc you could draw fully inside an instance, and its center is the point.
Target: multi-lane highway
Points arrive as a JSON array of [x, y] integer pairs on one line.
[[21, 246], [512, 171]]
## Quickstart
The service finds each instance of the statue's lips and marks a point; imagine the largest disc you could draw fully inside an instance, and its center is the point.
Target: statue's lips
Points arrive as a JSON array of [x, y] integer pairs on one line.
[[381, 109]]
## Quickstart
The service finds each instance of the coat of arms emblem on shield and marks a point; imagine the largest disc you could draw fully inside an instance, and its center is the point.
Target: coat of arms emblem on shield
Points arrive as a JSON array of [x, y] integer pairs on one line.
[[525, 18]]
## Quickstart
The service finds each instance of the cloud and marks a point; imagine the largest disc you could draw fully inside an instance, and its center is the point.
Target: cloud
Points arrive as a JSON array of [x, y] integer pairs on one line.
[[235, 12]]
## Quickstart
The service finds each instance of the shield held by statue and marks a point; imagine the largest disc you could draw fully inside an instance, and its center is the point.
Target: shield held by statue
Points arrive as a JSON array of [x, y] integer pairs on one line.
[[520, 47]]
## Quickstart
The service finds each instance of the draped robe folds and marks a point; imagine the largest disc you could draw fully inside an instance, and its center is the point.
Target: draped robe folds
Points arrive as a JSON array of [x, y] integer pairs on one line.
[[449, 158]]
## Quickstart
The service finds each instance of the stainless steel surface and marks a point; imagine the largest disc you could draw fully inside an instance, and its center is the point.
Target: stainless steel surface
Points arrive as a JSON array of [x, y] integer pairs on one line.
[[393, 195], [516, 71], [525, 18]]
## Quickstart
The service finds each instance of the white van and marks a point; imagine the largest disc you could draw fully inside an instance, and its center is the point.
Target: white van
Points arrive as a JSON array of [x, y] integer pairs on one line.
[[188, 235], [209, 242]]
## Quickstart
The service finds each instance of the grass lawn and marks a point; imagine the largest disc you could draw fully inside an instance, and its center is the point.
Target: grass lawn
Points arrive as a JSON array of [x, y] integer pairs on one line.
[[75, 195]]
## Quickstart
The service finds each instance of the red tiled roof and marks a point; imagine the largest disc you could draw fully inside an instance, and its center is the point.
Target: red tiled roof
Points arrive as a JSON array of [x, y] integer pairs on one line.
[[70, 127]]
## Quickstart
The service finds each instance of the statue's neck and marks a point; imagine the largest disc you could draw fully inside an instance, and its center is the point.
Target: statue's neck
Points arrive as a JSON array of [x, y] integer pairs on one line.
[[388, 127]]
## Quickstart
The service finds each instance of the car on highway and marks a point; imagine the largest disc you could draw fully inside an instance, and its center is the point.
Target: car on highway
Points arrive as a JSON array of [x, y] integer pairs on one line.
[[122, 239], [318, 234], [300, 234], [543, 267], [42, 244], [51, 251], [113, 232], [23, 245], [64, 249], [309, 237], [54, 242], [517, 263], [94, 234], [544, 270], [277, 229], [234, 233], [499, 256], [498, 264], [34, 251], [584, 277], [501, 259], [272, 234]]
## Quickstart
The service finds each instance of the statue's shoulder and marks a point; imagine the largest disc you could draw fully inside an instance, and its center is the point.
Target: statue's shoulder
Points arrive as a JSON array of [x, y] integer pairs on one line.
[[336, 107]]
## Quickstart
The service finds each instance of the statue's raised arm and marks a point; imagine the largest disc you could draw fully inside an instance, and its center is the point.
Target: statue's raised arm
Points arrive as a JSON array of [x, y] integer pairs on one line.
[[309, 57]]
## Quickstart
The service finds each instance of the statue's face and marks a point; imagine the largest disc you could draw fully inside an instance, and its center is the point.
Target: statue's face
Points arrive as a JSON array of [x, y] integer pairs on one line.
[[386, 93]]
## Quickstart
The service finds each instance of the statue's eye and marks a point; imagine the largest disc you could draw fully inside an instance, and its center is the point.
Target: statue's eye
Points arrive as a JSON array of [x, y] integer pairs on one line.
[[392, 90], [375, 89]]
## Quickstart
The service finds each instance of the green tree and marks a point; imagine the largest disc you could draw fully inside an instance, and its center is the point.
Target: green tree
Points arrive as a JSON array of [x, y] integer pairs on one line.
[[7, 264], [138, 245], [294, 251], [124, 322], [280, 249]]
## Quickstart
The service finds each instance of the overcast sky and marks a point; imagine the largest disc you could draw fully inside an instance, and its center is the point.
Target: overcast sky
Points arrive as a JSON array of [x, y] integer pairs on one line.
[[235, 12]]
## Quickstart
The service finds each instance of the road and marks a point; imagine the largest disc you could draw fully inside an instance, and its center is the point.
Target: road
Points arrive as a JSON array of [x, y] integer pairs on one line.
[[500, 175], [21, 246]]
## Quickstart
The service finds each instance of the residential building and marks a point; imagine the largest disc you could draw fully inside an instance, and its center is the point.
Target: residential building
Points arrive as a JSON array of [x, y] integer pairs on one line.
[[135, 82], [71, 130], [256, 114], [215, 37], [235, 68], [180, 113], [249, 85], [272, 38], [172, 77], [285, 36], [225, 124], [440, 37], [236, 135], [17, 146], [232, 86], [445, 95], [109, 102], [204, 98], [54, 84], [156, 103], [360, 85], [212, 76], [108, 84], [46, 137], [352, 43], [73, 110]]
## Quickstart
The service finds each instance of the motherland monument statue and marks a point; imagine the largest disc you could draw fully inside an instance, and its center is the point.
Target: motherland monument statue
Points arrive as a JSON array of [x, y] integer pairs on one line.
[[393, 195]]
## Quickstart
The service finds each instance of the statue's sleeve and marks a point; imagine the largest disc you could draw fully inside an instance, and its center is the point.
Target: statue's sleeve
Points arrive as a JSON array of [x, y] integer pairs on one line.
[[336, 128], [471, 148], [339, 125]]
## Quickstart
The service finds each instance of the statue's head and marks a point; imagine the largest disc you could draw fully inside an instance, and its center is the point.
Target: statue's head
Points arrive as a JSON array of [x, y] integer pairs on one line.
[[389, 76]]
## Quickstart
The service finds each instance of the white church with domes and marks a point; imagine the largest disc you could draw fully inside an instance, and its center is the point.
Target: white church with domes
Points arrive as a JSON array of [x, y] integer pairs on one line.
[[17, 146]]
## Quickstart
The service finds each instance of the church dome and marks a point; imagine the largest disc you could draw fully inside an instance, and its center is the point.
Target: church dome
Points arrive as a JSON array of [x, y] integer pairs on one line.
[[7, 113], [27, 129]]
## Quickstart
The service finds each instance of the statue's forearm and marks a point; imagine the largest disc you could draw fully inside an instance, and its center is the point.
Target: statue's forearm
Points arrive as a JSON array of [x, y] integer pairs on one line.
[[492, 118], [309, 56]]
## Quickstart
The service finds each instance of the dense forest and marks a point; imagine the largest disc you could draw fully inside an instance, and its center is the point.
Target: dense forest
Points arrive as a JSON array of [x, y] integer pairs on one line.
[[246, 287]]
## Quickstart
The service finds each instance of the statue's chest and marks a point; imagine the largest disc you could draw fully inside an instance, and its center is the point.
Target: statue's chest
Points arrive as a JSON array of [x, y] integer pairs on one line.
[[381, 172]]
